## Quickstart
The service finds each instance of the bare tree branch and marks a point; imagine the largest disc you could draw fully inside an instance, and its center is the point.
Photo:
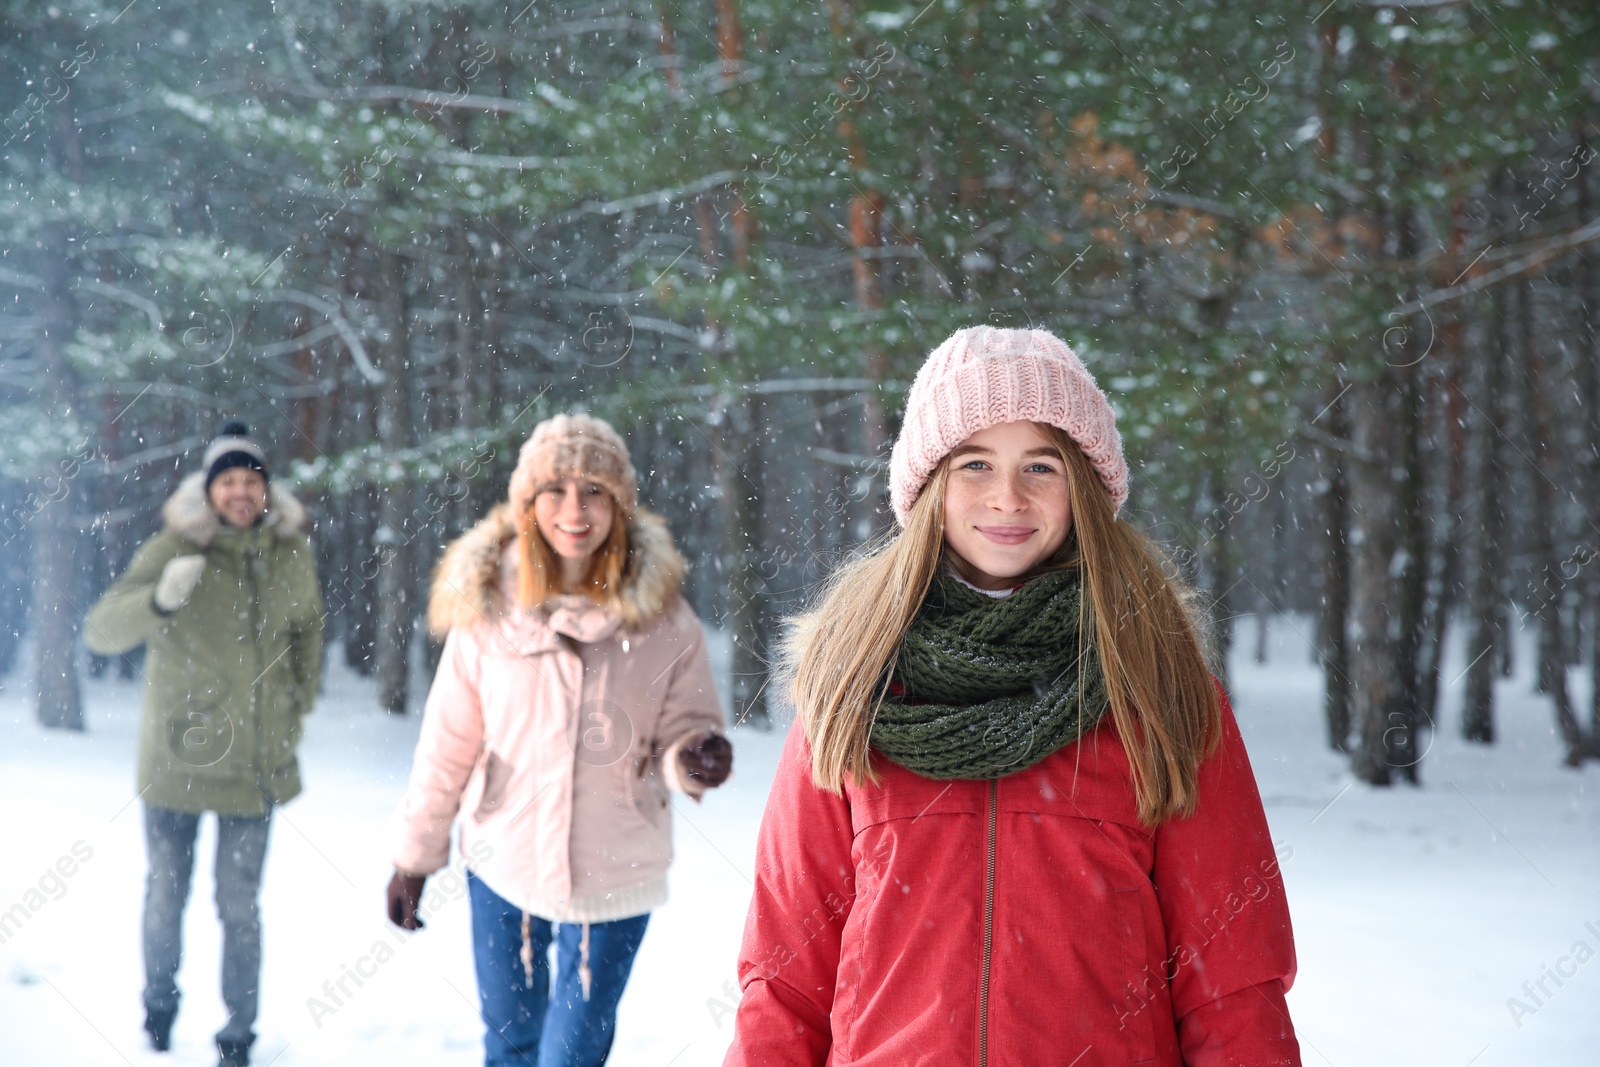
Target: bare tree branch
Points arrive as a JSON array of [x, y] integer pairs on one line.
[[1530, 263]]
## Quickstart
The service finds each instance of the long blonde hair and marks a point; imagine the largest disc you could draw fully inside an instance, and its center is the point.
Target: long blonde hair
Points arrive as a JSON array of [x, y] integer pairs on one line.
[[837, 659], [539, 571]]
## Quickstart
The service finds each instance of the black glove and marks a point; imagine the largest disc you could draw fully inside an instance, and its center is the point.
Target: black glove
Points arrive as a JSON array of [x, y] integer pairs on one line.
[[708, 760], [404, 894]]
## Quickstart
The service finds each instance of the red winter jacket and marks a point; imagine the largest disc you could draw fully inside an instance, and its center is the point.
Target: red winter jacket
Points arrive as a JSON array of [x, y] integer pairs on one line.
[[1028, 920]]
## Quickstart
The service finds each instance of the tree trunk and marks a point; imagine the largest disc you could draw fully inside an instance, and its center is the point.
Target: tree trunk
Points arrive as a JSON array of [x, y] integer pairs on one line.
[[1334, 618], [865, 224], [473, 365], [1216, 579], [1408, 577], [56, 612], [866, 240], [1400, 457], [13, 572], [1548, 594], [667, 46], [465, 342], [1446, 577], [1588, 384], [1375, 682], [1270, 531], [1486, 477], [391, 541], [747, 590], [730, 39], [489, 487], [360, 614]]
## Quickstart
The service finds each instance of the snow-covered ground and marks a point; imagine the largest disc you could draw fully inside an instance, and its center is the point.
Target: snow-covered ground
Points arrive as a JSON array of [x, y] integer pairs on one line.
[[1419, 913]]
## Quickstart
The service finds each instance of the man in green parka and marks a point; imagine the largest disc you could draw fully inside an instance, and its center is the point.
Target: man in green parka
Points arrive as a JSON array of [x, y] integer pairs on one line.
[[225, 598]]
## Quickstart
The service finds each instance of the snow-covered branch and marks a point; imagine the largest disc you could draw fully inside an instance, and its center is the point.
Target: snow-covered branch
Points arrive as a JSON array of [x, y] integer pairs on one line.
[[848, 459], [134, 300], [655, 198], [781, 386], [432, 99], [335, 316], [19, 280]]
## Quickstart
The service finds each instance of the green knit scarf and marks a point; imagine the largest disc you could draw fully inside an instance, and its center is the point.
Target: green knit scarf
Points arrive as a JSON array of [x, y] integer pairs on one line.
[[991, 686]]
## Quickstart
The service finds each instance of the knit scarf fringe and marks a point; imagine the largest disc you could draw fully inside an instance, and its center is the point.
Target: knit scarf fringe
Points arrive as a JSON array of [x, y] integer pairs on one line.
[[992, 686]]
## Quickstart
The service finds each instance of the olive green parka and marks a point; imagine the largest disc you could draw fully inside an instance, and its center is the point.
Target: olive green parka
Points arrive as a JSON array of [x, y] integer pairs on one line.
[[230, 675]]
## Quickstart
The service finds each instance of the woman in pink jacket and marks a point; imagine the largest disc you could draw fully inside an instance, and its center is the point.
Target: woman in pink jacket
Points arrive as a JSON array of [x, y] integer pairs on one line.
[[573, 695], [1014, 822]]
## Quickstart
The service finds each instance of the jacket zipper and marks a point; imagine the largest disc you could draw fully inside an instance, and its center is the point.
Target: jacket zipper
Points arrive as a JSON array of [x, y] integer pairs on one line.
[[256, 621], [988, 928]]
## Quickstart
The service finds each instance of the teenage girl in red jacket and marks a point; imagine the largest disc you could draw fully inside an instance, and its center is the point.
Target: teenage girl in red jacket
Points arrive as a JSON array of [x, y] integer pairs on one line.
[[1015, 822]]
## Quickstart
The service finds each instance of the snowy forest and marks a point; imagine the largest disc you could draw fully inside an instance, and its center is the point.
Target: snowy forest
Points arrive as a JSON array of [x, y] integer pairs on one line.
[[1336, 265], [1340, 271]]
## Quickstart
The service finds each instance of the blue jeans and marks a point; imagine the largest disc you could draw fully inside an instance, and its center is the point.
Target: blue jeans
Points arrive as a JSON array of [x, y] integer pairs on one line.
[[241, 854], [531, 1025]]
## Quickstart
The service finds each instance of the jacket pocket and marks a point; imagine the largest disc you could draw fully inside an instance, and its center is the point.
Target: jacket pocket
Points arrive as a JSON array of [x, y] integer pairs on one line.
[[1144, 988], [644, 790], [496, 774]]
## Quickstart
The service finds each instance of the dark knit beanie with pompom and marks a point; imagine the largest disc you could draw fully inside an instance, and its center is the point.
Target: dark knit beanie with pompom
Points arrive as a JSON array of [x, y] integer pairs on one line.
[[233, 447]]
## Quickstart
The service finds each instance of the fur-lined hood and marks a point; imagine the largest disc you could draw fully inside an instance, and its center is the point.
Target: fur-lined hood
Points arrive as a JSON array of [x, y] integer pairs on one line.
[[476, 576], [189, 514]]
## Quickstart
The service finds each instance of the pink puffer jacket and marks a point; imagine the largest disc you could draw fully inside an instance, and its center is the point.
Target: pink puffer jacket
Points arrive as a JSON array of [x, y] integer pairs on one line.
[[554, 733]]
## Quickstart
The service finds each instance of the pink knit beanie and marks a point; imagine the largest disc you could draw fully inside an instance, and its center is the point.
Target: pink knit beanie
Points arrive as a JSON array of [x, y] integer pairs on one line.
[[573, 446], [983, 376]]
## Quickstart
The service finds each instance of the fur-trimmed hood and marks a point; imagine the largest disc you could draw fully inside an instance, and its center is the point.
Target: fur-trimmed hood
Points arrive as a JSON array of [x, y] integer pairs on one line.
[[189, 514], [476, 576]]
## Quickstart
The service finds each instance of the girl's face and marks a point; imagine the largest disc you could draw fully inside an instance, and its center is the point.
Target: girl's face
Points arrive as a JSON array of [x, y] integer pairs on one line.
[[1006, 504], [574, 517], [239, 495]]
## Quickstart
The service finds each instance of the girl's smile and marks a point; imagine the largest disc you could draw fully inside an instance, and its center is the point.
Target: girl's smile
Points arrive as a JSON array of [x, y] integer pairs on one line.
[[1006, 505], [1006, 535], [575, 517]]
